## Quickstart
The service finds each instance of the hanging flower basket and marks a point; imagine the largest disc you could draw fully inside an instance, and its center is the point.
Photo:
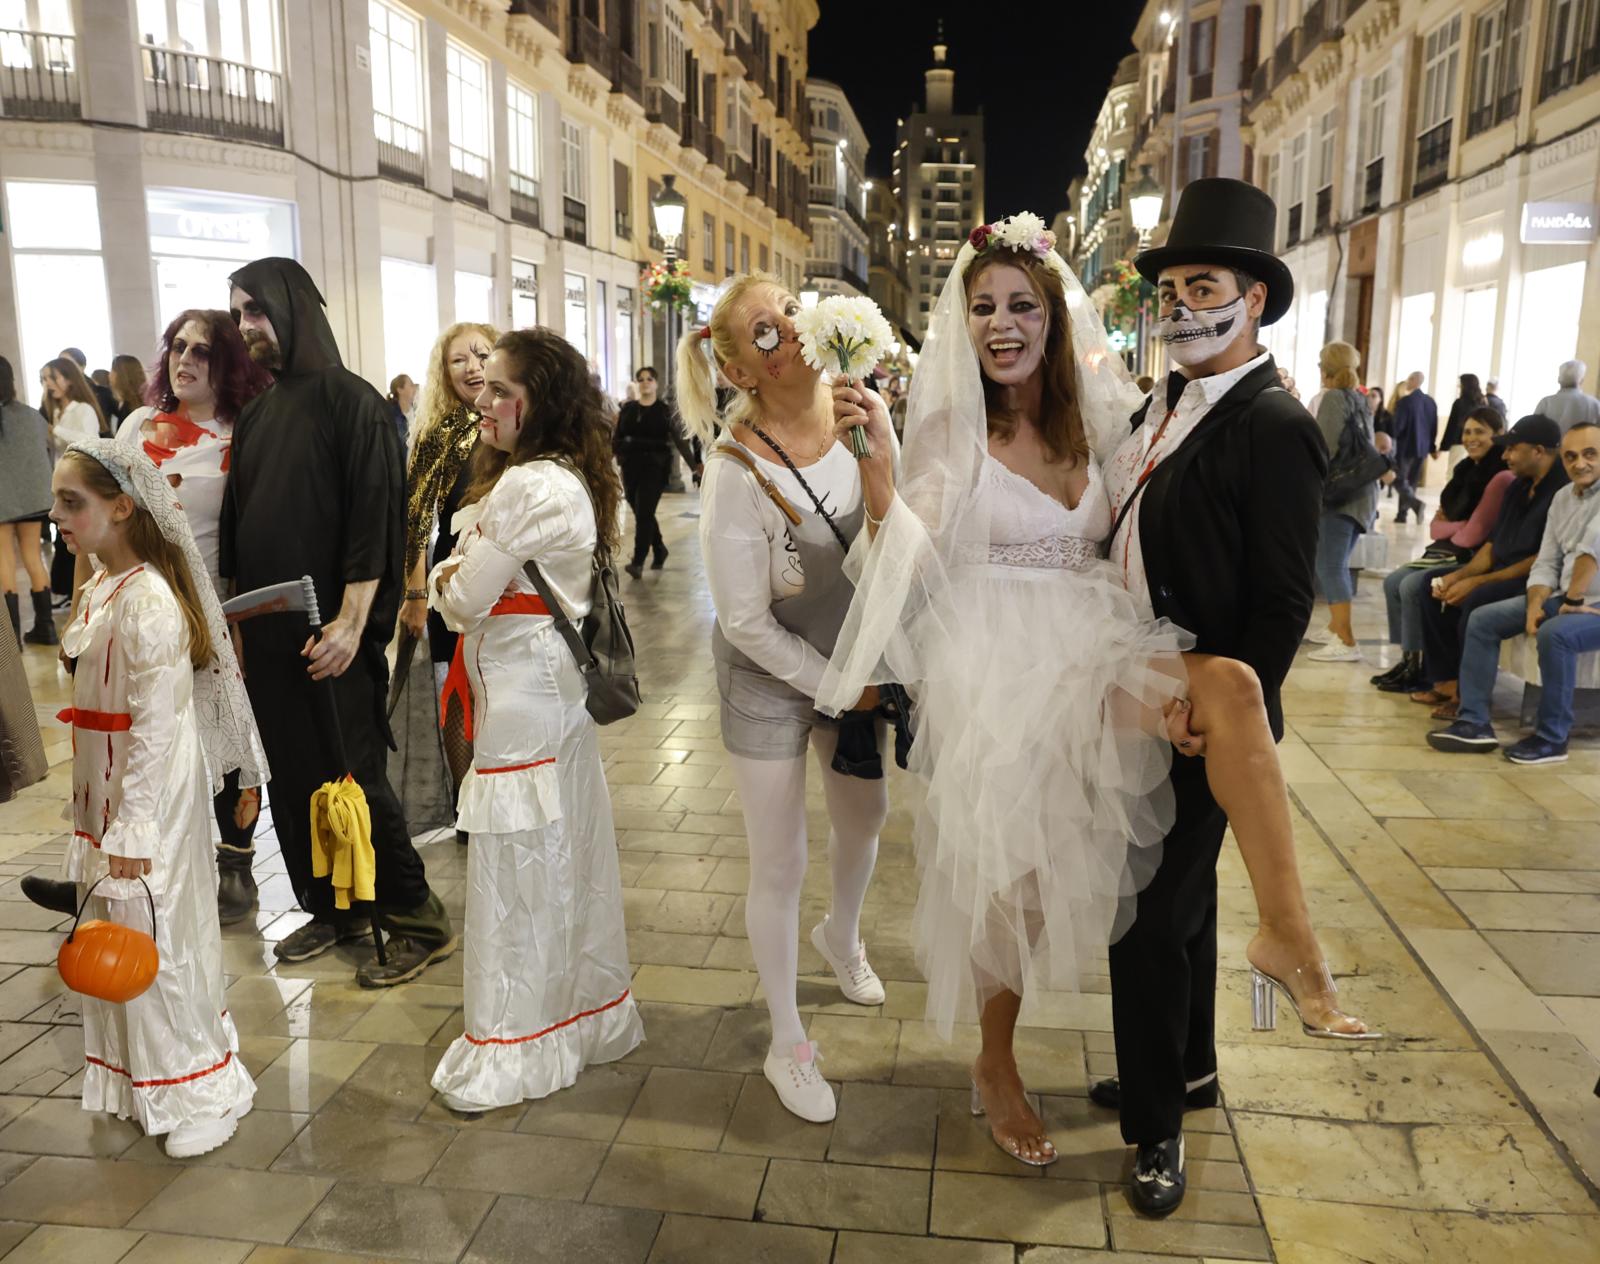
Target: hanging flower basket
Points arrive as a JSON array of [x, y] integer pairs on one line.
[[1119, 294], [665, 288]]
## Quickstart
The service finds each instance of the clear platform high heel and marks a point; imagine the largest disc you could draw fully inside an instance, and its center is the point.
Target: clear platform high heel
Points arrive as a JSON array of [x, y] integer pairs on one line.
[[977, 1113], [1316, 981]]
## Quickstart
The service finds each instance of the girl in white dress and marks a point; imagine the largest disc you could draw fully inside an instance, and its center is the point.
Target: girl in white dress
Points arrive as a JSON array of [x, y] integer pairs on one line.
[[157, 699], [548, 984], [1047, 699]]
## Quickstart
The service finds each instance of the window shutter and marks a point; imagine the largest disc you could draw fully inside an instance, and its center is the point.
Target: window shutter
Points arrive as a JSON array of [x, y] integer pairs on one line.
[[1213, 143], [1184, 145]]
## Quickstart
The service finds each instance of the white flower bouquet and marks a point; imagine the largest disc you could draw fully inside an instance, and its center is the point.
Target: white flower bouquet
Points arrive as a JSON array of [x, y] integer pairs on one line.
[[849, 335]]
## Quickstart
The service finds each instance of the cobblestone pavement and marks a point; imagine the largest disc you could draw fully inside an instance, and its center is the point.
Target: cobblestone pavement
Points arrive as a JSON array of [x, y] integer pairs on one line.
[[1459, 899]]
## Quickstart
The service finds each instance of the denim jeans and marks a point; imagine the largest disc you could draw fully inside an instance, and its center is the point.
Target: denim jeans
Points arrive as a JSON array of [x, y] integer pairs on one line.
[[1336, 537], [1562, 637], [1404, 591]]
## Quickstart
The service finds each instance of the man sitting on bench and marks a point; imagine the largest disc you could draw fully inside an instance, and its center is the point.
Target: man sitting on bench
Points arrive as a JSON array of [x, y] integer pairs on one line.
[[1561, 611]]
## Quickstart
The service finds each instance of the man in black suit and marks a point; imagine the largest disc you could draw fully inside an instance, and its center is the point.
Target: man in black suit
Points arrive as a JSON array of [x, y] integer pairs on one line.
[[1218, 492]]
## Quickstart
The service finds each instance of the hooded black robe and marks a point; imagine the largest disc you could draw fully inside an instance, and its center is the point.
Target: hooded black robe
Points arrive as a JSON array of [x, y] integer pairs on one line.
[[316, 487]]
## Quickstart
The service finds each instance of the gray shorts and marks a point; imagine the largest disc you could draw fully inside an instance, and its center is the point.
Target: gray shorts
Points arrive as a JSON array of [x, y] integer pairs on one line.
[[764, 717]]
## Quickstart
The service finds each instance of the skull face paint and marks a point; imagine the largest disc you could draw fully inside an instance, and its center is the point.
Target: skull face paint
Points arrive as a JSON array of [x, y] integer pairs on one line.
[[1195, 336]]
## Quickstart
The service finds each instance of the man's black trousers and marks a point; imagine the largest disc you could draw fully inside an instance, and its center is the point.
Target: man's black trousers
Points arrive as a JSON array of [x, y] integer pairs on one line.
[[1164, 970], [302, 759]]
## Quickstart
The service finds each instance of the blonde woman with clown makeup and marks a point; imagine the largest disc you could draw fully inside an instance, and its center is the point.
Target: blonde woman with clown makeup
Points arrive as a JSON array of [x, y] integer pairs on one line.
[[781, 501], [1047, 699]]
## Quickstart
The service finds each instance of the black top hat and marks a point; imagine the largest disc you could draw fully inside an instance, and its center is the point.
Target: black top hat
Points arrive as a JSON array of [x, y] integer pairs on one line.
[[1231, 223]]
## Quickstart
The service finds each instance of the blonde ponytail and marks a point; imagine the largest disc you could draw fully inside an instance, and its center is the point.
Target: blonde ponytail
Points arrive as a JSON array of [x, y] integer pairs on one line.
[[700, 357]]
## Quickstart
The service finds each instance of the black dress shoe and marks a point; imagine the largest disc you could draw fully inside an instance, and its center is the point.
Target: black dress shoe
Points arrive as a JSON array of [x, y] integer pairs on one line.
[[51, 893], [1394, 673], [1408, 681], [1158, 1178], [1108, 1093]]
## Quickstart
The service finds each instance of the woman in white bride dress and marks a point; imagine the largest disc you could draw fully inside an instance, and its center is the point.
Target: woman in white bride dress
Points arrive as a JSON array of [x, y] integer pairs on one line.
[[1047, 700]]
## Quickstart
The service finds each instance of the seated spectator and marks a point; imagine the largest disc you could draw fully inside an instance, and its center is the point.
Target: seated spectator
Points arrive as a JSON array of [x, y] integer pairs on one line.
[[1469, 506], [1499, 569], [1561, 611]]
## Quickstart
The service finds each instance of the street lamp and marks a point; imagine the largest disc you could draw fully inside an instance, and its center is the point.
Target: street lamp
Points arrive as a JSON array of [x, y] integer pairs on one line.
[[1144, 206], [667, 210], [1144, 209], [809, 297]]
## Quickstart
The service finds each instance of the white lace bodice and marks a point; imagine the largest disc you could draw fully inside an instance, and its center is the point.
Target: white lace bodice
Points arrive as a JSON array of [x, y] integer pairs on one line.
[[1029, 527]]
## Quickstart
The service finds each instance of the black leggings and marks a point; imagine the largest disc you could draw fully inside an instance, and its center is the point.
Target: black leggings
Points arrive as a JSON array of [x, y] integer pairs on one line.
[[646, 484], [236, 811]]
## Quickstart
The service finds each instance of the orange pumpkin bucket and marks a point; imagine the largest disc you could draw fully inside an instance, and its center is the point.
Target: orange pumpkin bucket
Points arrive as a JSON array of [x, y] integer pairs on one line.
[[107, 960]]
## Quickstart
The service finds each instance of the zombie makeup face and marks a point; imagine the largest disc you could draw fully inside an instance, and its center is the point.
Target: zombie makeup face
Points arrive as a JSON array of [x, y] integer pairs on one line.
[[189, 365], [1008, 324], [89, 523], [464, 358], [769, 351], [256, 328], [502, 404], [1202, 312]]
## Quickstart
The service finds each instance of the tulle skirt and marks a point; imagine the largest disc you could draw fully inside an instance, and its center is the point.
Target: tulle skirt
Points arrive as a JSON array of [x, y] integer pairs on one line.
[[1038, 738]]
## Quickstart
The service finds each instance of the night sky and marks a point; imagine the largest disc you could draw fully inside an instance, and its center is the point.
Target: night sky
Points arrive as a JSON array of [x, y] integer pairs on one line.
[[1039, 71]]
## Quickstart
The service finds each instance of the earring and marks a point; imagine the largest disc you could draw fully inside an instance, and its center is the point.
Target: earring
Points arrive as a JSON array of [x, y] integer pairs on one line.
[[752, 390]]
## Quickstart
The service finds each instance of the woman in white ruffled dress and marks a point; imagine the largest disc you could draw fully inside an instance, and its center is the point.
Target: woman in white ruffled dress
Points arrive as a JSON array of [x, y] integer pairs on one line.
[[1047, 701], [547, 988]]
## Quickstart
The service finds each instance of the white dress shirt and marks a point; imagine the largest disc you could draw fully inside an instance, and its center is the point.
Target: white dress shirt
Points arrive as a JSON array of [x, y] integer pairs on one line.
[[1160, 435]]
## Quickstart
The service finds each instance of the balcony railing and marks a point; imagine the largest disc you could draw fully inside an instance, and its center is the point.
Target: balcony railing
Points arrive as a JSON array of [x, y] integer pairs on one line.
[[524, 199], [1324, 213], [625, 225], [1565, 74], [1261, 81], [399, 149], [1433, 158], [574, 221], [1283, 59], [1372, 192], [628, 78], [469, 176], [548, 12], [659, 107], [189, 92], [588, 45], [1293, 238], [38, 76]]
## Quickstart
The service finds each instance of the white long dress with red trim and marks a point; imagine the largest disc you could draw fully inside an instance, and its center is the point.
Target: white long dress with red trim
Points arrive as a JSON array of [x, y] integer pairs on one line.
[[547, 980], [140, 789]]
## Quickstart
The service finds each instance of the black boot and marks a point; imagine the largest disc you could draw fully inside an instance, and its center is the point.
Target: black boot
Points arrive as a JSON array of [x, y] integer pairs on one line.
[[416, 940], [51, 893], [636, 569], [43, 631], [658, 557], [236, 885], [15, 611]]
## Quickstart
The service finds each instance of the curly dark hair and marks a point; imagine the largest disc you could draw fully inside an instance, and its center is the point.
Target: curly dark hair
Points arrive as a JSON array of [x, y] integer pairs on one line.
[[235, 377], [567, 420]]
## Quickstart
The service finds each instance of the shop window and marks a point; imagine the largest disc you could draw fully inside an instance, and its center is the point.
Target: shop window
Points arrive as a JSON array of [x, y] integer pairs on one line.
[[467, 90], [198, 239], [576, 305], [410, 317], [396, 82], [624, 335], [61, 281], [524, 294], [475, 298]]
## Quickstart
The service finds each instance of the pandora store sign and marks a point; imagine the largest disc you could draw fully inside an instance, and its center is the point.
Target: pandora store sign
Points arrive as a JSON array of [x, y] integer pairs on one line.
[[1550, 222]]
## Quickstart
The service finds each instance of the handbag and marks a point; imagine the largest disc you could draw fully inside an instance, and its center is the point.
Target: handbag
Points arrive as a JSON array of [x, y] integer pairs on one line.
[[1355, 466], [603, 647], [110, 961]]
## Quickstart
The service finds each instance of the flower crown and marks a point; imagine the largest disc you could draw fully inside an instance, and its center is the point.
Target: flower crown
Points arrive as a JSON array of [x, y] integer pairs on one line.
[[1023, 231]]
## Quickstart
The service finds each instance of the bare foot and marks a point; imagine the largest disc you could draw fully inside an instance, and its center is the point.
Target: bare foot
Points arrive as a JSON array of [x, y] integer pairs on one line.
[[1015, 1127], [1294, 959]]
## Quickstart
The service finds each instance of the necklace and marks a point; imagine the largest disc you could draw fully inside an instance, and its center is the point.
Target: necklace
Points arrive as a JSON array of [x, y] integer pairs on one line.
[[828, 441]]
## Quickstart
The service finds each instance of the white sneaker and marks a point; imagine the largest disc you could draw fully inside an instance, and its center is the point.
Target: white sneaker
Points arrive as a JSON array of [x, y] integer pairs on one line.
[[800, 1085], [1335, 651], [201, 1136], [857, 980], [1324, 637]]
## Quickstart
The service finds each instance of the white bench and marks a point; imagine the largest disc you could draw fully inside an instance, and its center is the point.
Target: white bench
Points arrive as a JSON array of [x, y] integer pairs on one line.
[[1520, 657]]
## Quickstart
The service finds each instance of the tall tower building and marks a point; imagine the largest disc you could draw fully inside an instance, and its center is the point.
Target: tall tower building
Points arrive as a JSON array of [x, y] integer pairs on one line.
[[938, 179]]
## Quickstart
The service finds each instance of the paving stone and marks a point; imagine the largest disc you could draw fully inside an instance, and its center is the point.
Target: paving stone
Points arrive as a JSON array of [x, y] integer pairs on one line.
[[395, 1221], [64, 1244], [52, 1190], [761, 1125], [679, 1180], [513, 1163], [1018, 1209], [888, 1248], [701, 1240], [886, 1125], [845, 1196], [344, 1144], [233, 1203], [538, 1231]]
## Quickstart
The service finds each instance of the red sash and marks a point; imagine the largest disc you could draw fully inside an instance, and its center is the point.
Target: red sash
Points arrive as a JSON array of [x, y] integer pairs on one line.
[[456, 684]]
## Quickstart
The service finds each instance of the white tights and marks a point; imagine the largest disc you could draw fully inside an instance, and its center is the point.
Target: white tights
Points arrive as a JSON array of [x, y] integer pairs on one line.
[[772, 793]]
